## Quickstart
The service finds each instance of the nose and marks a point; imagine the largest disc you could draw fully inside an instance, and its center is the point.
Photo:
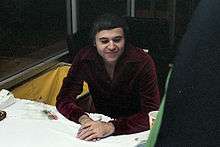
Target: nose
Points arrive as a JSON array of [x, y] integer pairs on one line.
[[112, 45]]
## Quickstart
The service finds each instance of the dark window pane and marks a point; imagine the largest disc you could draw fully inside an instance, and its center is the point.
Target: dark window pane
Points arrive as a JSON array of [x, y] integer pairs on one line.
[[31, 31]]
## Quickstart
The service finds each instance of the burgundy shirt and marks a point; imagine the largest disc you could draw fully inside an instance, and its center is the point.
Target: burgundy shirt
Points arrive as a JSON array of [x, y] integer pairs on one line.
[[127, 98]]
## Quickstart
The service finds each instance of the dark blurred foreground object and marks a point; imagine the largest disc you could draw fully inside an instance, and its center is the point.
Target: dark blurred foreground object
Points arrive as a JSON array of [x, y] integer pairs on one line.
[[191, 112]]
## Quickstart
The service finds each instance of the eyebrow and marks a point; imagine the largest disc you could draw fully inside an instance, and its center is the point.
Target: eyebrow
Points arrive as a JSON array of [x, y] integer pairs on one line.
[[116, 37]]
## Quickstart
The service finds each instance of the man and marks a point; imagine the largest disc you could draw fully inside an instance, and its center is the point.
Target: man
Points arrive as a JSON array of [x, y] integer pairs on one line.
[[121, 78]]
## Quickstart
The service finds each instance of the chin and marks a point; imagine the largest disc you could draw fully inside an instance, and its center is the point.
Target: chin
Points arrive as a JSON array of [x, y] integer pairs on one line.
[[111, 60]]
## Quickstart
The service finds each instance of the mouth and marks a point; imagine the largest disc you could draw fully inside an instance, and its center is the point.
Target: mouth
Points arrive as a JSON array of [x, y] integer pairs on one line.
[[113, 52]]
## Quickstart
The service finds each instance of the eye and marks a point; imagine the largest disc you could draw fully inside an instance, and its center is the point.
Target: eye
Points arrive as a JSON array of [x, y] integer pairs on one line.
[[104, 41], [116, 40]]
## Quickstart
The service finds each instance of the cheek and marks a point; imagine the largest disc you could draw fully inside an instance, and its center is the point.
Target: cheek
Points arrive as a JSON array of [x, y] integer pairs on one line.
[[121, 45], [99, 46], [100, 49]]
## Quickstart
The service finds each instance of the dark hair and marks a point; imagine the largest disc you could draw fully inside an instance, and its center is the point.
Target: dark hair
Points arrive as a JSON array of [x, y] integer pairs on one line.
[[106, 22]]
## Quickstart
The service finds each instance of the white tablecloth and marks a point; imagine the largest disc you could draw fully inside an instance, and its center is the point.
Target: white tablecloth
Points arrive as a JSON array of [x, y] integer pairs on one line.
[[26, 126]]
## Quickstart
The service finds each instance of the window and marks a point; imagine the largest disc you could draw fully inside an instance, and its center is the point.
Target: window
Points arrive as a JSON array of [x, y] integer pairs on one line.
[[32, 31]]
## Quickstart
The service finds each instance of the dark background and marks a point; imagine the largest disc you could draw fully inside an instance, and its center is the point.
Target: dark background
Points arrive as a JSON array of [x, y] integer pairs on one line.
[[32, 30], [27, 25]]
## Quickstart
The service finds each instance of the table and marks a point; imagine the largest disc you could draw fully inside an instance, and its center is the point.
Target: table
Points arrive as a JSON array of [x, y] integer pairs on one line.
[[27, 126]]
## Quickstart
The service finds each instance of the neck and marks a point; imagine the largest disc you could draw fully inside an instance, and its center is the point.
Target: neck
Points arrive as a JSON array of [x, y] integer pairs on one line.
[[110, 67], [110, 64]]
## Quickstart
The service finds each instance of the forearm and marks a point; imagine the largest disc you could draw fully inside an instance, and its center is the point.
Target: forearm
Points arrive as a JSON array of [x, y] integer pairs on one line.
[[133, 124], [137, 122], [66, 100], [69, 109]]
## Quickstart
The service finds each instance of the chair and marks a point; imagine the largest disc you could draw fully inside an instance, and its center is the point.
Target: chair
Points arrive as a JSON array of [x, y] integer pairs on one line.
[[46, 86], [152, 34]]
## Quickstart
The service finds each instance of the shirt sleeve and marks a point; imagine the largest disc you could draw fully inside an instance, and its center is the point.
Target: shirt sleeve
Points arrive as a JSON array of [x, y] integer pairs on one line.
[[72, 86], [150, 100]]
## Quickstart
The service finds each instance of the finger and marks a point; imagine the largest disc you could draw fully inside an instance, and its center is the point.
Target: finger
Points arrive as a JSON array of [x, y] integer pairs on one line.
[[97, 139], [85, 133], [83, 128], [81, 132], [92, 137], [85, 125]]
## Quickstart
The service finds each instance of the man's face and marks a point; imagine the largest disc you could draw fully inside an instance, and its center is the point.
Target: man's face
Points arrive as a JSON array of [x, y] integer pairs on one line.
[[110, 44]]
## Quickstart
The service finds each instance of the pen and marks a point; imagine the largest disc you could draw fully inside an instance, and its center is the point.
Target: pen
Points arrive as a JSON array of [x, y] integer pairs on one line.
[[50, 115]]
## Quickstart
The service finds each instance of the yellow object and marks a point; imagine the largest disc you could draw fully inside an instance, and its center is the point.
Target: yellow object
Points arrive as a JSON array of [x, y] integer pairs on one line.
[[45, 87]]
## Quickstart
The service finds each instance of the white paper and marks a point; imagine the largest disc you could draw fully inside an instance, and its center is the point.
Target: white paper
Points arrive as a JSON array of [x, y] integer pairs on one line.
[[6, 99]]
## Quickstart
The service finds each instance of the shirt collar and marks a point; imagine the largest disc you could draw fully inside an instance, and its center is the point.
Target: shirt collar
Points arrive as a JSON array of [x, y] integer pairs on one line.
[[132, 54]]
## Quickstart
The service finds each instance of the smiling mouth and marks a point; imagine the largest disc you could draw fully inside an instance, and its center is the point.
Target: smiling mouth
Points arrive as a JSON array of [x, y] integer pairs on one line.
[[111, 52], [112, 55]]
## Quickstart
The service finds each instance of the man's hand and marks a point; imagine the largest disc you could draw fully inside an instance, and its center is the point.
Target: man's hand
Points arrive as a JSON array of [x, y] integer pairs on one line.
[[94, 130], [84, 119]]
